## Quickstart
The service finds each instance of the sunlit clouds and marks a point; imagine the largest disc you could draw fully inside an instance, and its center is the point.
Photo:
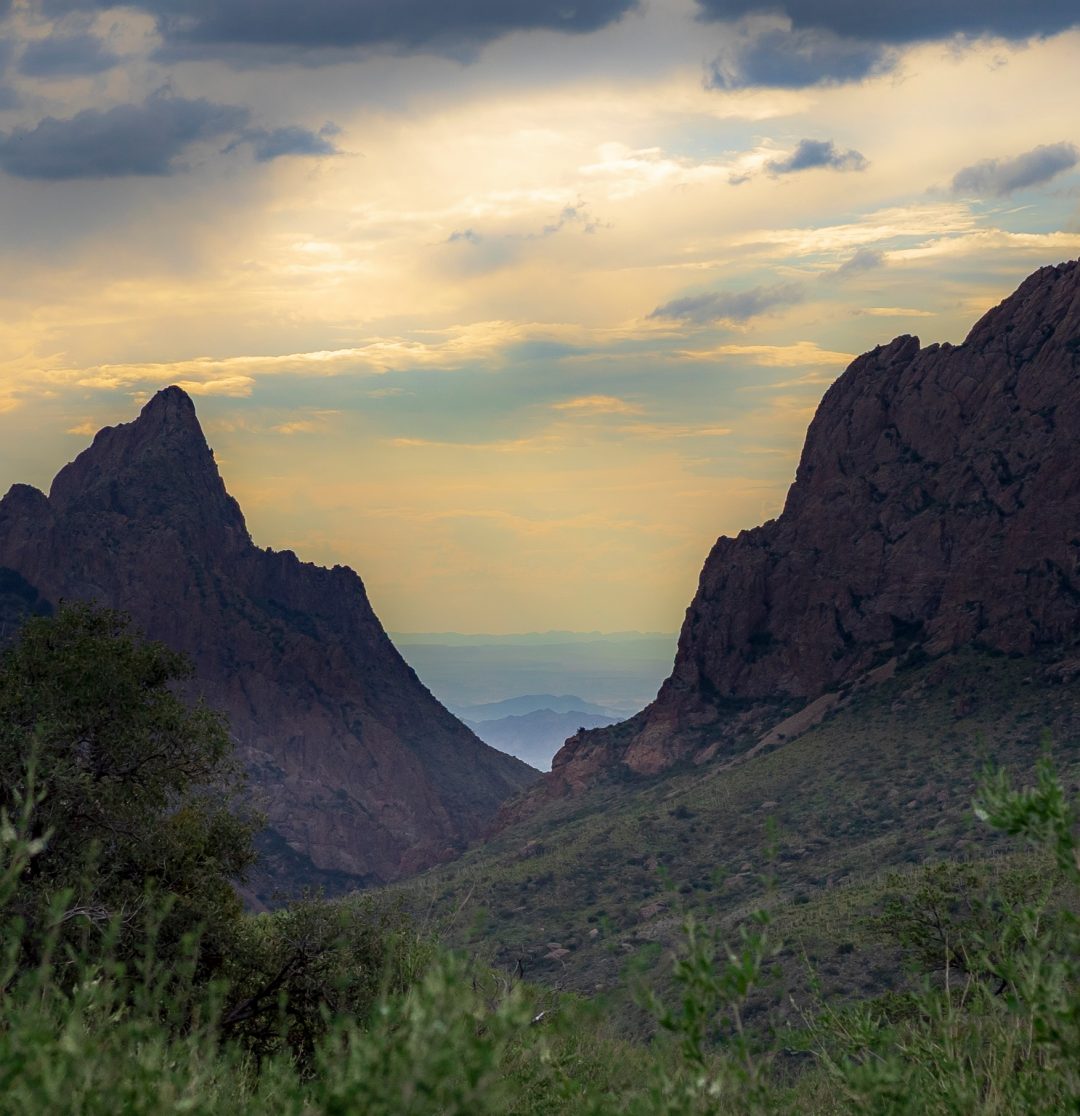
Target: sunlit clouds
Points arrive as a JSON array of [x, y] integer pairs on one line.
[[513, 313]]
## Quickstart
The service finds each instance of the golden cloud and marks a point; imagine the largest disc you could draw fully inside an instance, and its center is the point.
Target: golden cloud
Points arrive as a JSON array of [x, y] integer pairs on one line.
[[597, 405]]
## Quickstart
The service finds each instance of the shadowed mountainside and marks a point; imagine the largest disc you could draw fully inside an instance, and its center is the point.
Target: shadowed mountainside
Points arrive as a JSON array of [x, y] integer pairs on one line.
[[364, 776], [936, 504]]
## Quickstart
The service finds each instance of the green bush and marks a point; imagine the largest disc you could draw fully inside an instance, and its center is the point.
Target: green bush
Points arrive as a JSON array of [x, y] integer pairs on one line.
[[135, 790]]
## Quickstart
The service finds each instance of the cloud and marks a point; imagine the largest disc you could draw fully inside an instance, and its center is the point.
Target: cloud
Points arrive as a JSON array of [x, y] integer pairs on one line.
[[470, 236], [446, 349], [896, 312], [998, 177], [865, 259], [774, 356], [731, 306], [916, 221], [811, 154], [789, 59], [145, 140], [78, 55], [236, 387], [126, 140], [661, 431], [273, 143], [300, 426], [597, 405], [285, 27], [901, 21], [9, 98], [799, 43]]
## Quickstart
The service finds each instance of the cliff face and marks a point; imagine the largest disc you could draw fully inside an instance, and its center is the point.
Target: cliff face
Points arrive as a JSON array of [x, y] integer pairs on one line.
[[364, 776], [937, 503]]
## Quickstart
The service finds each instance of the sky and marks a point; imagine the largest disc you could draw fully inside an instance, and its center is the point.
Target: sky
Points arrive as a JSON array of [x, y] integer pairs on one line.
[[513, 306]]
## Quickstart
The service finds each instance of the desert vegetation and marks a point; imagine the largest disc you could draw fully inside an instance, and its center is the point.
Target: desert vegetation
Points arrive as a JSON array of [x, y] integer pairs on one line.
[[131, 979]]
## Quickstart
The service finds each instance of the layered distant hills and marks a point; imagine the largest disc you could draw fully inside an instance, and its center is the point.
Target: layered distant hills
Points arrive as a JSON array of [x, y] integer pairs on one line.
[[936, 505], [533, 726], [363, 774]]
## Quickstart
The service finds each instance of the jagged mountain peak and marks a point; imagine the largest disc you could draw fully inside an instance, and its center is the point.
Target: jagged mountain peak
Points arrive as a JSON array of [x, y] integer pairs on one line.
[[1046, 300], [171, 404], [936, 504], [364, 776], [156, 470]]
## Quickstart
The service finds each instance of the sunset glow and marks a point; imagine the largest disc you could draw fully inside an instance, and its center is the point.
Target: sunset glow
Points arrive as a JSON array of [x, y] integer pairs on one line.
[[514, 320]]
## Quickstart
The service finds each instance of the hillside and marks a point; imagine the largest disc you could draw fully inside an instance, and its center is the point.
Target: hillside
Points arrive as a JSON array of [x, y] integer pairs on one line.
[[843, 675], [593, 887], [363, 775], [936, 505]]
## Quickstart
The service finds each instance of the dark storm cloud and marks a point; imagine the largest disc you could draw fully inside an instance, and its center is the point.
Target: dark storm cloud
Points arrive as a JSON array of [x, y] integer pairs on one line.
[[730, 306], [795, 59], [145, 140], [811, 154], [832, 41], [998, 177], [112, 143], [405, 25], [908, 21], [67, 55]]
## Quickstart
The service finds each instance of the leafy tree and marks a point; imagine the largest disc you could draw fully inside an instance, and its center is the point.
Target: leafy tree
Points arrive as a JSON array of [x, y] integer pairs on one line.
[[136, 791]]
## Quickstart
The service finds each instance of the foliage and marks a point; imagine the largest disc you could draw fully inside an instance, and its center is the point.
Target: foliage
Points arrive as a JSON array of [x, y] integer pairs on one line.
[[718, 1063], [295, 970], [1002, 1034], [452, 1040], [136, 790], [346, 1008], [958, 917]]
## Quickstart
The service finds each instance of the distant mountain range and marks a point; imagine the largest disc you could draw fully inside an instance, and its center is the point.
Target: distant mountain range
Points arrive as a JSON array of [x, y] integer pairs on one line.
[[617, 673], [522, 639], [534, 726]]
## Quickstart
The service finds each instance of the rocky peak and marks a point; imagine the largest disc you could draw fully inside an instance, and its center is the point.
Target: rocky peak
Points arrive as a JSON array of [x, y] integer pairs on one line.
[[363, 775], [936, 504], [156, 471]]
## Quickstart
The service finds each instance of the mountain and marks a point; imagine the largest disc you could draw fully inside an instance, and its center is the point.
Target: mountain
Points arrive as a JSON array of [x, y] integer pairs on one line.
[[936, 505], [620, 672], [535, 736], [844, 676], [363, 775], [529, 703]]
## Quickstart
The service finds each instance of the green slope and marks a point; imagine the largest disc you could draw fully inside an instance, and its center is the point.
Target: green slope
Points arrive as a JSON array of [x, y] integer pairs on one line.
[[593, 888]]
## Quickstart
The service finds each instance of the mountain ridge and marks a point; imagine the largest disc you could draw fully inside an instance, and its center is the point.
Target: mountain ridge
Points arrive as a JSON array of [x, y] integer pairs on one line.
[[936, 504], [364, 776]]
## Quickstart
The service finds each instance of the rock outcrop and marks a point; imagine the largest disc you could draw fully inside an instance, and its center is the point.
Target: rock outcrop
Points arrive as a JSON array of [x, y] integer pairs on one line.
[[363, 775], [936, 504]]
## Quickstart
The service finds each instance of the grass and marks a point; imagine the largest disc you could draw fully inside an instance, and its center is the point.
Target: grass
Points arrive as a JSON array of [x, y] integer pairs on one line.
[[809, 829], [826, 928]]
